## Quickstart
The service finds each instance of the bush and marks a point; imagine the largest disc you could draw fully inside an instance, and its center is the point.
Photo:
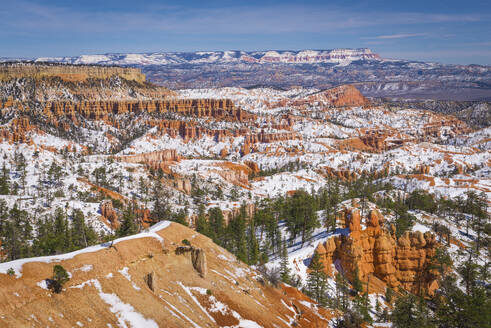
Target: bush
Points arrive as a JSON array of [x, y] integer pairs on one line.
[[186, 242], [272, 275], [209, 292], [10, 272], [60, 277]]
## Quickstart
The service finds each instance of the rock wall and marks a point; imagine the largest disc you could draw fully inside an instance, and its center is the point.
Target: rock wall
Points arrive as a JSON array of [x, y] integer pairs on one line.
[[99, 110], [167, 155], [70, 73], [374, 251]]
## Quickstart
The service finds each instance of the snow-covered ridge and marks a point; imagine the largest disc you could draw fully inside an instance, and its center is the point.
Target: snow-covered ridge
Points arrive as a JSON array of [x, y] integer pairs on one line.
[[336, 56], [17, 264]]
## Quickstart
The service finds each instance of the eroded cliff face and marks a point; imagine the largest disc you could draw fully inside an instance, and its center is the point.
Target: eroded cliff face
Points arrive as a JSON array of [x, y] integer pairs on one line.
[[376, 252], [341, 96], [69, 73], [99, 110], [146, 281], [390, 138], [17, 131]]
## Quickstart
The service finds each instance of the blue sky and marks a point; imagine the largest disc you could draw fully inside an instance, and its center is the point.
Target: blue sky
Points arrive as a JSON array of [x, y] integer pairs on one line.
[[444, 31]]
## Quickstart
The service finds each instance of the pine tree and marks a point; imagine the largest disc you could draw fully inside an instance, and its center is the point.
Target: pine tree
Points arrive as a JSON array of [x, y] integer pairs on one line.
[[128, 223], [284, 268], [241, 239], [60, 278], [410, 312], [317, 280], [79, 233], [202, 225], [5, 181], [60, 227], [252, 244], [357, 284], [216, 220]]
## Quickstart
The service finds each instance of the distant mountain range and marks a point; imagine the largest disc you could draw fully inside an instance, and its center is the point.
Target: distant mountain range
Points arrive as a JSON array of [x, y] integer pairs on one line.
[[334, 56], [374, 76]]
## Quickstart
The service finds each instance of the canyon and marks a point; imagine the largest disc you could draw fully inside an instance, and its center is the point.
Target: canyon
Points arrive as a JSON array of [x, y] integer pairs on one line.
[[104, 142]]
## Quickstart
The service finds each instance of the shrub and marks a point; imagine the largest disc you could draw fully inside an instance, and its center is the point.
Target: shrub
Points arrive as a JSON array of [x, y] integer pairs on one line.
[[60, 277], [186, 242], [10, 272], [209, 292]]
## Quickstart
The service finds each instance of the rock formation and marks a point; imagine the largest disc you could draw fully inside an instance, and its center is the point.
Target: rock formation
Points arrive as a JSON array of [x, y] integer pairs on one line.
[[70, 73], [109, 213], [198, 258], [374, 251], [17, 131], [342, 96], [99, 110]]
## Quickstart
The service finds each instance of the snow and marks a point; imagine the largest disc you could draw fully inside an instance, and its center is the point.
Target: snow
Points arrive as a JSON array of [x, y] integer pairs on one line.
[[127, 275], [180, 313], [85, 268], [190, 294], [420, 227], [124, 312], [336, 56], [42, 284]]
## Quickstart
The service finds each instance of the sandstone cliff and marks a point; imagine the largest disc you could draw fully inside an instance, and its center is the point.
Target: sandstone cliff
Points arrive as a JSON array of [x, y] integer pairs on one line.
[[69, 73]]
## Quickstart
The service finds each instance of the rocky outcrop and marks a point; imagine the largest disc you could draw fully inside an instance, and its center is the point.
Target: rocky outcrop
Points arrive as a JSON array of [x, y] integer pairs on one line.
[[160, 159], [70, 73], [341, 96], [109, 213], [167, 155], [17, 131], [183, 185], [235, 211], [198, 258], [402, 261], [222, 109], [237, 174], [342, 174]]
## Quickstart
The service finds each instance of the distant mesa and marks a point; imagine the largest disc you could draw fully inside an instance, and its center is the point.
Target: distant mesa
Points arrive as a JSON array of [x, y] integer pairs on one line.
[[335, 56], [69, 73]]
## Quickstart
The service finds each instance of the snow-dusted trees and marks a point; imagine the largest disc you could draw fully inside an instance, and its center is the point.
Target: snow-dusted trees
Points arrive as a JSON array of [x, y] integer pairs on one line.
[[299, 211], [317, 281]]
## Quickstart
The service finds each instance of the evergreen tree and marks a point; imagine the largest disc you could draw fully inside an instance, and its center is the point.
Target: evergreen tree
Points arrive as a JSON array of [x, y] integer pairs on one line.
[[357, 284], [456, 308], [411, 312], [216, 220], [5, 181], [284, 268], [300, 213], [128, 223], [317, 280], [202, 225], [252, 244]]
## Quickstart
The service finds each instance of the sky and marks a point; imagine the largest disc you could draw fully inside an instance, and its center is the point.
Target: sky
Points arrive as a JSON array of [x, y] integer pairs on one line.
[[457, 32]]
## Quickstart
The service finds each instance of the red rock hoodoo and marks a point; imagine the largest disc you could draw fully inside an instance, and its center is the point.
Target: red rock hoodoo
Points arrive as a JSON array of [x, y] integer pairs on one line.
[[376, 252]]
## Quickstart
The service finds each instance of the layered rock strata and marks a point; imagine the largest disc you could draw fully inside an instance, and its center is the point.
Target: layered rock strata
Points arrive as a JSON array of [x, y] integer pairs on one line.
[[403, 261]]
